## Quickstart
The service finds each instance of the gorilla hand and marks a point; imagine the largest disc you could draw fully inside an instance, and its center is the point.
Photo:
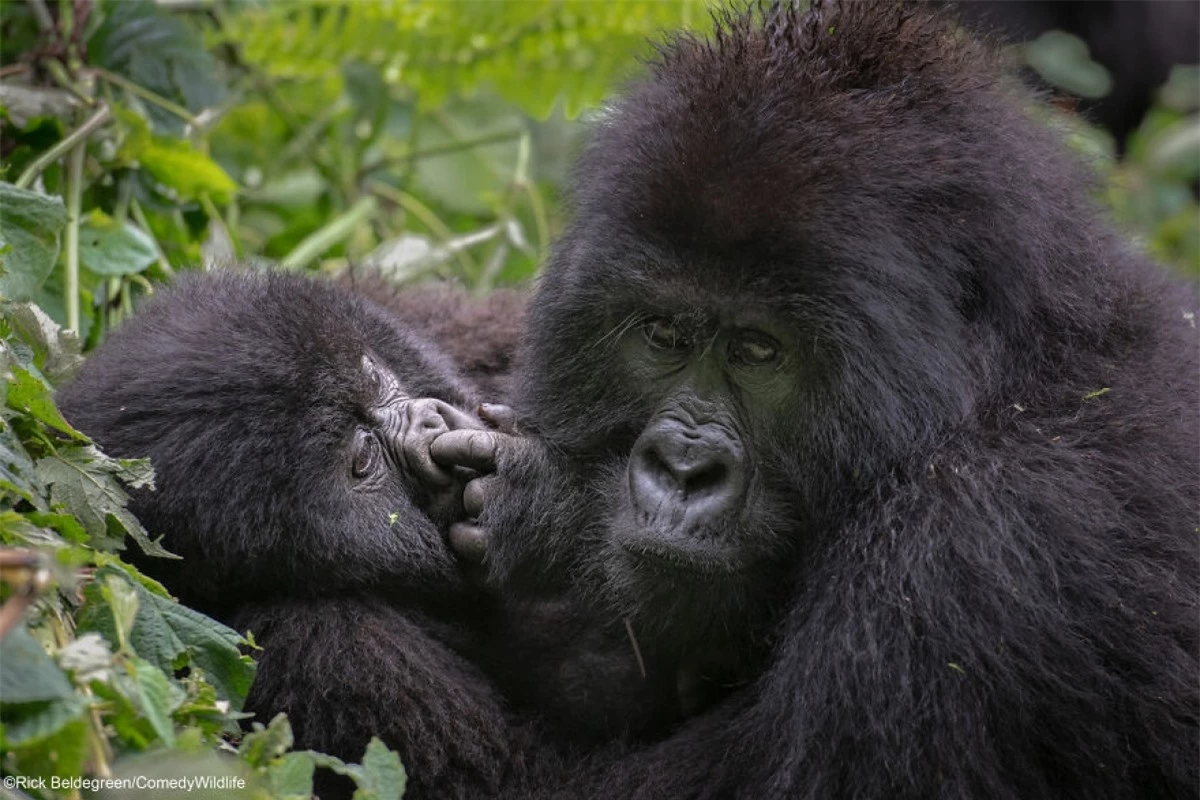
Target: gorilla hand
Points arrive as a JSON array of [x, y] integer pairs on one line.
[[476, 450]]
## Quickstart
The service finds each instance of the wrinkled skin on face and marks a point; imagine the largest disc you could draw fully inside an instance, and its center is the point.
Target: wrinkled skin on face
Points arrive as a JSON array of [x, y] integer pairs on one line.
[[289, 424], [807, 399]]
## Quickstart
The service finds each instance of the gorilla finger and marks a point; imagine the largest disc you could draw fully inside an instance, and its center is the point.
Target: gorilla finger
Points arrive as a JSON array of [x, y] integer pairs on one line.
[[469, 541], [477, 493], [466, 448], [499, 416]]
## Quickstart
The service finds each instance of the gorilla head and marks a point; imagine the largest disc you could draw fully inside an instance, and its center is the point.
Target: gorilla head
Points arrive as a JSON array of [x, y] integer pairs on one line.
[[289, 425], [813, 388]]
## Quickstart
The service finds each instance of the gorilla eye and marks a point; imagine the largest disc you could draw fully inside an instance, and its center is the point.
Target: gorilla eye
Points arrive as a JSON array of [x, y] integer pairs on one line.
[[754, 349], [663, 334], [366, 453]]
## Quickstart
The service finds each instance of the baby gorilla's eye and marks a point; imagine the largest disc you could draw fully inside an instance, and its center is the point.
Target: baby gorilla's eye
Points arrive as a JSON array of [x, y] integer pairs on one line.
[[663, 334], [753, 349], [366, 453]]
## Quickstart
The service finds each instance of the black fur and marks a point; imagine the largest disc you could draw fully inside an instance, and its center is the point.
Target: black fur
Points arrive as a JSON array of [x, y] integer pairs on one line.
[[246, 392], [965, 561]]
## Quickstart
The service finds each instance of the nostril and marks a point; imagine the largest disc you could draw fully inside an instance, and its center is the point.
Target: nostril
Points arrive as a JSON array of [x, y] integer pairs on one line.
[[705, 478]]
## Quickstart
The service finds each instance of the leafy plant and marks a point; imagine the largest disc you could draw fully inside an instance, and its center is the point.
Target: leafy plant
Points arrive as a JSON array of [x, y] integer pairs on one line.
[[418, 139]]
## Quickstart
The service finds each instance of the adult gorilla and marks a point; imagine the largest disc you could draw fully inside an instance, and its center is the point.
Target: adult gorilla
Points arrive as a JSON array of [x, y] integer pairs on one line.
[[848, 400]]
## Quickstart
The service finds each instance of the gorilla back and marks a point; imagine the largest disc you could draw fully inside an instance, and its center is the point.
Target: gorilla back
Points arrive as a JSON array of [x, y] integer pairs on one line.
[[846, 396]]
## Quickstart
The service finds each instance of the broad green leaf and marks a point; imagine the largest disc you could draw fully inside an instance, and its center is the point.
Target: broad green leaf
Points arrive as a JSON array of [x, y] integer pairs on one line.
[[30, 226], [85, 482], [164, 630], [178, 165], [1062, 60], [383, 773], [54, 742], [291, 776], [31, 395], [160, 52], [157, 698], [27, 673], [108, 247]]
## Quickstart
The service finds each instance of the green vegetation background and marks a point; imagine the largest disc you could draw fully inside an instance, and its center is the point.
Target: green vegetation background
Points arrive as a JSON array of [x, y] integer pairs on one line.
[[419, 139]]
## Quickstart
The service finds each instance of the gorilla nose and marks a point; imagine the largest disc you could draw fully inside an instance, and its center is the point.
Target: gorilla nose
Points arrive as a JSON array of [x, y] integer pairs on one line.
[[432, 417], [689, 473], [427, 419]]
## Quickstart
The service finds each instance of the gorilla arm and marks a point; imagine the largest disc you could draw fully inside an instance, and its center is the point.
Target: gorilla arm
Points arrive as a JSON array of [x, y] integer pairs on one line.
[[942, 602]]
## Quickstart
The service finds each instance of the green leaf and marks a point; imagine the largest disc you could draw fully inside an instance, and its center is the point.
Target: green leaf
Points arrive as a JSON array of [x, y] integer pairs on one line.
[[31, 395], [291, 775], [53, 743], [158, 51], [383, 774], [178, 165], [56, 351], [157, 698], [30, 226], [123, 603], [1062, 60], [109, 248], [264, 744], [85, 482], [164, 630], [28, 674], [17, 475]]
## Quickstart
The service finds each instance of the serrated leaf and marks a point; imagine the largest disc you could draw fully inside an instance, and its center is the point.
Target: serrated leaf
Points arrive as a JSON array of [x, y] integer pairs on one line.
[[31, 395], [85, 482], [27, 673], [163, 630], [53, 742], [264, 744], [17, 476], [291, 775], [383, 774], [56, 351], [111, 248], [30, 228]]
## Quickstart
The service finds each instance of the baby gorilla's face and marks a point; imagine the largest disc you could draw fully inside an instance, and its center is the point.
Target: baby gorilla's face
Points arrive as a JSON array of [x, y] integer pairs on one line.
[[392, 440]]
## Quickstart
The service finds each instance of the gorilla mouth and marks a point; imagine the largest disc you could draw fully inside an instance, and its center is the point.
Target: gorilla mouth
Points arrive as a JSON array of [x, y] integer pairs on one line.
[[694, 551]]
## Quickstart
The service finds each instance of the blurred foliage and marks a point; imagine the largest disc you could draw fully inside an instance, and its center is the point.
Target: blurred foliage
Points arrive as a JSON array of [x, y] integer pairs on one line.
[[420, 139], [1152, 190]]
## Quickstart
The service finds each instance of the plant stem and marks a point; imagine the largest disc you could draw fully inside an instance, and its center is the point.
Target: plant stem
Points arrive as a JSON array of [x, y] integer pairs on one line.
[[335, 231], [74, 196], [76, 137], [147, 95], [135, 210]]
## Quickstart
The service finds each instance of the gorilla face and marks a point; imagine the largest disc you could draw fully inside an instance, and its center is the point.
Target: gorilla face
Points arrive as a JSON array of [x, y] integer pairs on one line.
[[692, 477], [387, 456], [289, 424]]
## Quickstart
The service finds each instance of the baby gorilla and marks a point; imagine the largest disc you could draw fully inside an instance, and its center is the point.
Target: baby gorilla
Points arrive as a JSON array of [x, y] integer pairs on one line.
[[289, 424]]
